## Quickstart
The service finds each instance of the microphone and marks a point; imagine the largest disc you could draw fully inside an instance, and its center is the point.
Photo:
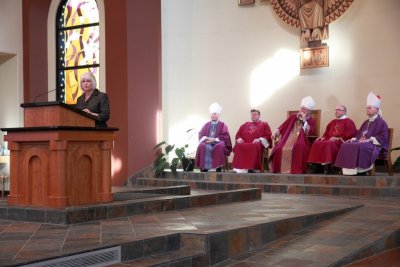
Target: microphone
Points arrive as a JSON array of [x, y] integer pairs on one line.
[[42, 94]]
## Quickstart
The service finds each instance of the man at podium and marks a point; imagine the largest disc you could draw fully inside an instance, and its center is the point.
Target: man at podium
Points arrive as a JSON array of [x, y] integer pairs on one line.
[[93, 101]]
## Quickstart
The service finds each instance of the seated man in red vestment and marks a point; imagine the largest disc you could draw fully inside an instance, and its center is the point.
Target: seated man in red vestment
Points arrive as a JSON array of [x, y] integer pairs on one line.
[[214, 142], [358, 155], [291, 150], [251, 140], [324, 150]]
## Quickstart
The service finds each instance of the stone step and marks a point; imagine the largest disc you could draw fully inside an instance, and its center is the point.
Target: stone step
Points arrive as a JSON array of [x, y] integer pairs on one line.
[[181, 257], [220, 245], [390, 258], [312, 189], [187, 249], [167, 190], [271, 178], [221, 231], [129, 193], [116, 209], [337, 242]]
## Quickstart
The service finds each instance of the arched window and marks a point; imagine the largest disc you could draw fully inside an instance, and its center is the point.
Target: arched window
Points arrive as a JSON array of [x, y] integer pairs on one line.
[[78, 43]]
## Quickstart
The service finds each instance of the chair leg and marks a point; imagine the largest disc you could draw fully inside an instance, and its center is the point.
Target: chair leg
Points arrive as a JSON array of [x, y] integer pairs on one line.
[[266, 165], [372, 172], [264, 161], [388, 163], [262, 164], [226, 165]]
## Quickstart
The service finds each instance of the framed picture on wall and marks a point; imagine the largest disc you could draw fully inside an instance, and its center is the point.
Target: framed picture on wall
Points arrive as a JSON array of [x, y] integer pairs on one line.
[[314, 57], [246, 2]]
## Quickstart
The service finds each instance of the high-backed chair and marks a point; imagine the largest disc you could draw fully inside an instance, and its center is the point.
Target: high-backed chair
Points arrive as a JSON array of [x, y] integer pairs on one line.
[[264, 160], [388, 160], [225, 167], [316, 115]]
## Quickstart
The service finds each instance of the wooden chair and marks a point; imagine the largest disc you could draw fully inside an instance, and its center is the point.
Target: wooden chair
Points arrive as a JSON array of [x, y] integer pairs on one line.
[[225, 168], [316, 115], [264, 161], [388, 160]]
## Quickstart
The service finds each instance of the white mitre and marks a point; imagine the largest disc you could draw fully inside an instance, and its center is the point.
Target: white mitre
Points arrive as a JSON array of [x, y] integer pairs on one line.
[[307, 102], [215, 108]]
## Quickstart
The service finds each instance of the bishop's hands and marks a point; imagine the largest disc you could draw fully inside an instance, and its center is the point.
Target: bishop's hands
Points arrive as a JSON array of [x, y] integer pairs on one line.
[[255, 141], [302, 116], [361, 140], [364, 140], [210, 140], [276, 137]]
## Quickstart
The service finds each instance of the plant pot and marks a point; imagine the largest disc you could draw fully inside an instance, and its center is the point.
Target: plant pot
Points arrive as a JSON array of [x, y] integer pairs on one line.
[[188, 164]]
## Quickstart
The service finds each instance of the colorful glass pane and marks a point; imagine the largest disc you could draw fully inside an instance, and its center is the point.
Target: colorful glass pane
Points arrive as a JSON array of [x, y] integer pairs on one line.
[[81, 46], [78, 40], [72, 79], [79, 12]]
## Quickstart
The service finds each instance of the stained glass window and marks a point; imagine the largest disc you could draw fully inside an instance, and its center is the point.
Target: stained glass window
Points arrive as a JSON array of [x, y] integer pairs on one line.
[[78, 41]]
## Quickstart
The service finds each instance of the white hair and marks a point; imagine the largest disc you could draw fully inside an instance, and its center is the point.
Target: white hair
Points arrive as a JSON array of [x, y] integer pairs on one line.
[[88, 76]]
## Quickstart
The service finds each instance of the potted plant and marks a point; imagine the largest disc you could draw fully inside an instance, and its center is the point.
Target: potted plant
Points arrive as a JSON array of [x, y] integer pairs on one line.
[[162, 160], [181, 159], [396, 164]]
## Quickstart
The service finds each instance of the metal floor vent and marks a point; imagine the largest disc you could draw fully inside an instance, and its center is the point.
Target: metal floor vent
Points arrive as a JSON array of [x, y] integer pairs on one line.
[[98, 258]]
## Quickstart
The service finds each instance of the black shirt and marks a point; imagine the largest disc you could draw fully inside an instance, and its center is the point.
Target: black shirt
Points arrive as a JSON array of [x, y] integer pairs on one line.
[[97, 103]]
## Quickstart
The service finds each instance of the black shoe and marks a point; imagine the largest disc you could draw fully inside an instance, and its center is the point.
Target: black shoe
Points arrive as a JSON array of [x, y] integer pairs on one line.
[[218, 169], [203, 170], [250, 171], [326, 169], [329, 169], [362, 174], [316, 168]]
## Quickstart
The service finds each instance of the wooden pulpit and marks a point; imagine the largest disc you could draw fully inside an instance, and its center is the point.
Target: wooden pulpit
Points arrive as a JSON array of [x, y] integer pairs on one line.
[[59, 159]]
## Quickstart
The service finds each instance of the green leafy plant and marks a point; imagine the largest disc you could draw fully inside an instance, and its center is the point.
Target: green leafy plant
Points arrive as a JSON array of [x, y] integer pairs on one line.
[[396, 164], [162, 160]]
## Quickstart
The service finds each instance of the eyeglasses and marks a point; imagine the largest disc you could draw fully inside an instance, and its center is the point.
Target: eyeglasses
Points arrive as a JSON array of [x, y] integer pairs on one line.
[[338, 109]]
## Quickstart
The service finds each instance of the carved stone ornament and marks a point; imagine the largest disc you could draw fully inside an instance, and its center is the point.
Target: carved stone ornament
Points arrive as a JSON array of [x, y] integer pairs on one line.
[[311, 16]]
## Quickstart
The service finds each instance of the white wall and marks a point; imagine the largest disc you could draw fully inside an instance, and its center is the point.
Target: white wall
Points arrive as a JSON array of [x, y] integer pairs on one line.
[[11, 80], [244, 57]]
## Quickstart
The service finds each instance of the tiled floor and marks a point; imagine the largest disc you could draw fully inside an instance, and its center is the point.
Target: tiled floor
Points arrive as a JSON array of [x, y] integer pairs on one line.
[[319, 245], [387, 259], [21, 242], [331, 242]]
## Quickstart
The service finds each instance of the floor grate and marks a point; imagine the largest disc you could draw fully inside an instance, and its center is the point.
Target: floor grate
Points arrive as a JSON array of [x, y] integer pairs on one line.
[[98, 258]]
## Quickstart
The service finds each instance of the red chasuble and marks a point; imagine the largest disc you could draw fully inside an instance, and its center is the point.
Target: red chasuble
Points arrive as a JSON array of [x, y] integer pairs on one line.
[[291, 153], [325, 151], [248, 155]]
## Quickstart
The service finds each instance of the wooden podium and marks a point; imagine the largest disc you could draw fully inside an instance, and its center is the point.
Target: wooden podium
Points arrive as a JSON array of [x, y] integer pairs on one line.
[[59, 159]]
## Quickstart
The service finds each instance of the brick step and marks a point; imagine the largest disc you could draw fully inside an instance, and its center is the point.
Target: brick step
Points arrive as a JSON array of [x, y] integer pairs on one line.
[[318, 179], [312, 189]]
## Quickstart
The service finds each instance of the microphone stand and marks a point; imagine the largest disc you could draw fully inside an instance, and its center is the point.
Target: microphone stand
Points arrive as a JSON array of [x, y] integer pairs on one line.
[[45, 93]]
